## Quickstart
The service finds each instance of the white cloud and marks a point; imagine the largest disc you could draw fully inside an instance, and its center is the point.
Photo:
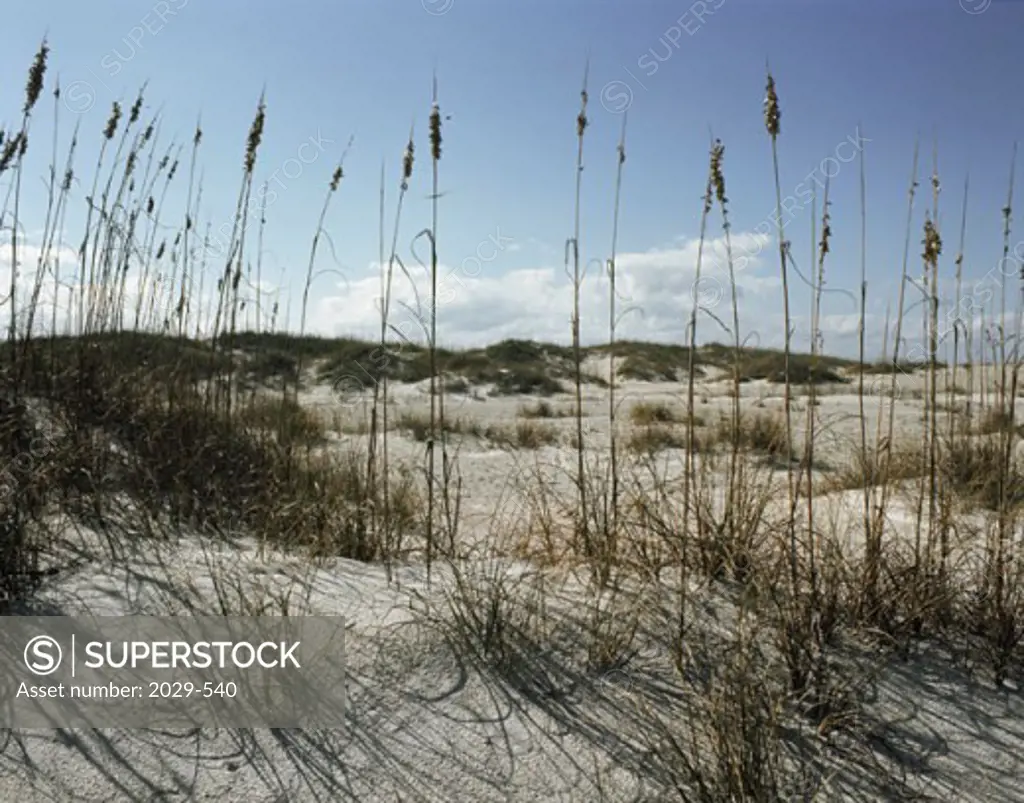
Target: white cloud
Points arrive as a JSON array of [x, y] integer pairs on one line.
[[655, 289], [480, 306]]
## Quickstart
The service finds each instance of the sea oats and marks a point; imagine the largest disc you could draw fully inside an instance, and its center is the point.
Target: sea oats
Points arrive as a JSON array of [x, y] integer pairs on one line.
[[772, 115], [34, 86], [112, 121], [136, 110], [717, 177], [10, 150], [826, 231], [255, 136], [435, 131], [408, 158], [581, 118], [932, 243]]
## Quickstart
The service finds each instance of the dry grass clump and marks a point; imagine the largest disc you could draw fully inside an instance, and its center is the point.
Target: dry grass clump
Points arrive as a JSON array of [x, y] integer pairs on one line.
[[31, 474], [904, 463], [732, 746], [544, 409], [646, 413], [283, 418], [417, 426], [165, 448], [653, 438], [977, 471], [971, 468], [761, 432], [528, 434], [996, 420]]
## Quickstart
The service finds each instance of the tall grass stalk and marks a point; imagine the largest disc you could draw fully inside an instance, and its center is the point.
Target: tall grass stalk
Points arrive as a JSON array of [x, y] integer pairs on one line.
[[933, 250], [817, 284], [576, 276], [772, 116], [33, 88], [381, 386], [613, 513], [1003, 617], [436, 391], [735, 466], [868, 463], [690, 489], [897, 339]]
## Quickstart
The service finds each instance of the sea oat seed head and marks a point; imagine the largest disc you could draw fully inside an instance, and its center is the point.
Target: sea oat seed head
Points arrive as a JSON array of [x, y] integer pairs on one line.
[[112, 121], [932, 243], [435, 132], [11, 147], [136, 109], [717, 152], [34, 86], [255, 137], [772, 115], [581, 118], [407, 162], [826, 230]]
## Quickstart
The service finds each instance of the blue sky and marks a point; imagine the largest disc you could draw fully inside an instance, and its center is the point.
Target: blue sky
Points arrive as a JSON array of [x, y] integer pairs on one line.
[[510, 75]]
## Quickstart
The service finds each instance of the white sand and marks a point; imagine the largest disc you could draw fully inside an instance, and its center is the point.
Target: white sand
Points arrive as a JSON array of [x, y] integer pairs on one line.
[[425, 724]]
